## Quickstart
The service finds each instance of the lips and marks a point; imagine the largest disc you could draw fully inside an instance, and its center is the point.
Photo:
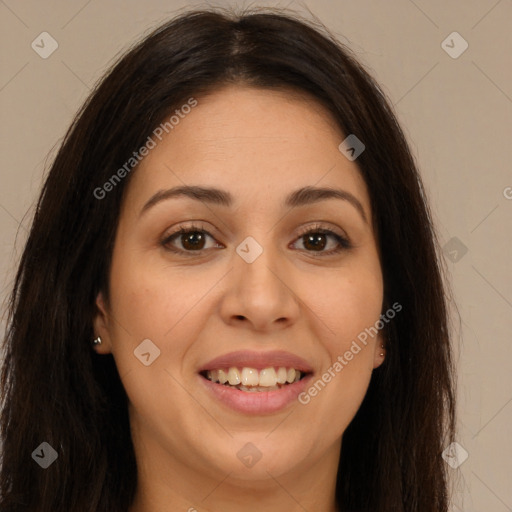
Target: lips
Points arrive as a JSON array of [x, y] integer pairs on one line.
[[258, 361], [247, 396]]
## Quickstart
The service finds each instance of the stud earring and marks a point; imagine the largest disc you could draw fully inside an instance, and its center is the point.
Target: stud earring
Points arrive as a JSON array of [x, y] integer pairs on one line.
[[382, 353], [97, 341]]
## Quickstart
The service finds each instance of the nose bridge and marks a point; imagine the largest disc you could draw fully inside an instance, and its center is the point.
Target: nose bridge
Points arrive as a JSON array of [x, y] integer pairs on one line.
[[259, 260]]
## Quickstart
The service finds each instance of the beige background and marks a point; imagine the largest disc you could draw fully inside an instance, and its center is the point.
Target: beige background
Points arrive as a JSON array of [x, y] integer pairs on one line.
[[457, 114]]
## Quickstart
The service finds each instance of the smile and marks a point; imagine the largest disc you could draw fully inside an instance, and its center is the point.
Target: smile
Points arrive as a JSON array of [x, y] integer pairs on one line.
[[256, 382]]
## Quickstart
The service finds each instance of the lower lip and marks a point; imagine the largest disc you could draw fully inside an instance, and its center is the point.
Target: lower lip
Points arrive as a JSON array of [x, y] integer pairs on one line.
[[256, 402]]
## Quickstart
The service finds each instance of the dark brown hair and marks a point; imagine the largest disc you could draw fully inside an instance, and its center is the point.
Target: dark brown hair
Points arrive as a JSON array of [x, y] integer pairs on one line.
[[55, 388]]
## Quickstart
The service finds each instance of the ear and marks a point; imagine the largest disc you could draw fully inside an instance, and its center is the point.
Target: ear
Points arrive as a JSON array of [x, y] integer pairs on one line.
[[101, 324], [379, 351]]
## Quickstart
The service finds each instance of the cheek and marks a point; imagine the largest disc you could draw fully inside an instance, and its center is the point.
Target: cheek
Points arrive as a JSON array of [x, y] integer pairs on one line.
[[168, 308], [165, 305], [154, 299], [347, 306], [356, 306], [347, 303]]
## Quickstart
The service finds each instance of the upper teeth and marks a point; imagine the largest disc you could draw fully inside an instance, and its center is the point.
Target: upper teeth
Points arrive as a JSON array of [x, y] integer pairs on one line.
[[267, 377]]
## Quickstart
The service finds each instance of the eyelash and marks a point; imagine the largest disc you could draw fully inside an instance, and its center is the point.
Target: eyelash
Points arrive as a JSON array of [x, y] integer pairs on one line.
[[343, 242]]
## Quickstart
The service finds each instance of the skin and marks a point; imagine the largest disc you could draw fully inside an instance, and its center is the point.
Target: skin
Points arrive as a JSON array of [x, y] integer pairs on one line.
[[259, 145]]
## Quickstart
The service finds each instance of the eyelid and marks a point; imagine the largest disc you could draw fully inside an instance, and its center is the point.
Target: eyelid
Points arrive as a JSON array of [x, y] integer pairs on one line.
[[318, 225]]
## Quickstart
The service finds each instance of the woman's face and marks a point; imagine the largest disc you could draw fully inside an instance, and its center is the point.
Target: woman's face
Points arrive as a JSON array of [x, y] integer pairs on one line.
[[247, 288]]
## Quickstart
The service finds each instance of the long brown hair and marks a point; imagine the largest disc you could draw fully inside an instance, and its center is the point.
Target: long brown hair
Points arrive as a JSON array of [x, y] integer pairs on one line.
[[55, 389]]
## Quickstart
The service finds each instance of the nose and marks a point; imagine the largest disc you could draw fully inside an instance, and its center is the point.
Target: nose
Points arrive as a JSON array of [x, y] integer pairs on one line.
[[261, 293]]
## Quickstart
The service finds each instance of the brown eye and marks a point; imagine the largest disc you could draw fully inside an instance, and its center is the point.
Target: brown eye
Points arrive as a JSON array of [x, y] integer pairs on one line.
[[194, 238], [191, 238], [317, 239]]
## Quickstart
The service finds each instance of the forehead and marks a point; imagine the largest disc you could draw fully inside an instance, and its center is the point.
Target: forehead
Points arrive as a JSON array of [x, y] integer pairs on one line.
[[253, 142]]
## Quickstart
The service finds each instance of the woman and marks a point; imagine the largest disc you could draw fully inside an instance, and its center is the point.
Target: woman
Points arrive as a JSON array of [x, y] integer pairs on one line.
[[231, 295]]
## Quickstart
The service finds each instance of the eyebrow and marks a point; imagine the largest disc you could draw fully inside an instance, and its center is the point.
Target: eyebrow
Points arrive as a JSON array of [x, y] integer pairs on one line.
[[300, 197]]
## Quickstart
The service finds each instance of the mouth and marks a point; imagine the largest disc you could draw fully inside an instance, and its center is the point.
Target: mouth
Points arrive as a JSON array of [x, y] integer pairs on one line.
[[252, 380]]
